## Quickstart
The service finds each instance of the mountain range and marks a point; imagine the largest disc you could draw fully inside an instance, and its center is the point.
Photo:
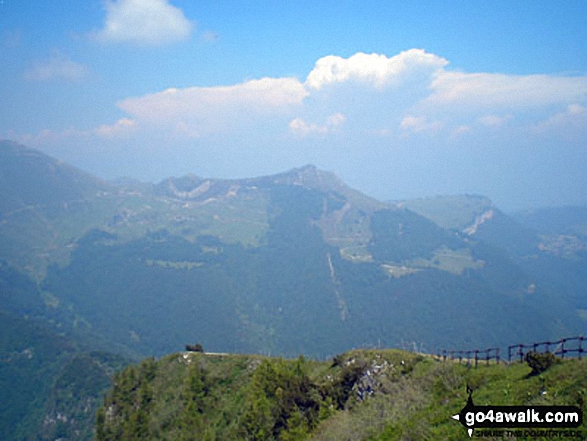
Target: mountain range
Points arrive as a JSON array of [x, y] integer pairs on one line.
[[289, 264]]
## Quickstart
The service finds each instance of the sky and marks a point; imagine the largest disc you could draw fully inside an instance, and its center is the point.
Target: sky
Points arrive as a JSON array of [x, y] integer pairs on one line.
[[399, 99]]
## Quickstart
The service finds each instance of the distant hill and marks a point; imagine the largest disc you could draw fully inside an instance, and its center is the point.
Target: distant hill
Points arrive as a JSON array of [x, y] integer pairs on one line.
[[30, 178], [459, 212], [289, 264], [570, 221]]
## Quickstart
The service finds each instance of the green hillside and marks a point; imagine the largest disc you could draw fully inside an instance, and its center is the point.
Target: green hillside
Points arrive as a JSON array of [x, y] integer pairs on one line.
[[31, 178], [52, 374], [298, 294], [291, 263], [455, 212], [288, 264], [359, 395], [51, 384]]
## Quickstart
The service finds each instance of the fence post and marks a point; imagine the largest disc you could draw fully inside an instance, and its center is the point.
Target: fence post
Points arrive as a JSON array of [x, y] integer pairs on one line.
[[561, 347]]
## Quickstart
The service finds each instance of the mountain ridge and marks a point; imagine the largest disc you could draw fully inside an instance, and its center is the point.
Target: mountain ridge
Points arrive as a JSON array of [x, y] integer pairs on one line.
[[287, 264]]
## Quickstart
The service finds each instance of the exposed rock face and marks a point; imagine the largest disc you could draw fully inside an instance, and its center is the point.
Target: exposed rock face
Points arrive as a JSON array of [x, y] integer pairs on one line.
[[479, 220]]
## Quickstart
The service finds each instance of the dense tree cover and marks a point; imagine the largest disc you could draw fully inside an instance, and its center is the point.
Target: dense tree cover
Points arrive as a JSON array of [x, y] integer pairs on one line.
[[51, 377], [18, 293], [104, 282], [401, 235], [153, 281], [50, 385], [231, 398], [282, 401], [360, 395], [31, 354], [133, 396], [507, 234], [295, 294]]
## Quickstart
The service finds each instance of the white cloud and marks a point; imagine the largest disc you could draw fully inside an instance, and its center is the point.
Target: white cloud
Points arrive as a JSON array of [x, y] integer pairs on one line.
[[377, 70], [412, 91], [572, 122], [58, 66], [211, 109], [144, 22], [487, 90], [459, 131], [380, 98], [417, 124], [494, 121], [46, 137], [403, 124], [121, 128], [576, 109], [302, 129]]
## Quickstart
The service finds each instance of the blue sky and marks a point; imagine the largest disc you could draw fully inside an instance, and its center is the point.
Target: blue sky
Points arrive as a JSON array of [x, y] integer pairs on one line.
[[400, 99]]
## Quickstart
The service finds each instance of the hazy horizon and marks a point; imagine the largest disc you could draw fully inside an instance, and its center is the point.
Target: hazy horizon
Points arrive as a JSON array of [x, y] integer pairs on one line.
[[401, 101]]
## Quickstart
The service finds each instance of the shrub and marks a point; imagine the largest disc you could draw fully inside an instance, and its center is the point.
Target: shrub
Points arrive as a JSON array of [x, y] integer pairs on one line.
[[194, 348], [539, 362]]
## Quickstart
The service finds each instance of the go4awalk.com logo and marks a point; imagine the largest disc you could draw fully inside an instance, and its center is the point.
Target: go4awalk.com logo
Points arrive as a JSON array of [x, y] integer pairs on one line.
[[519, 417]]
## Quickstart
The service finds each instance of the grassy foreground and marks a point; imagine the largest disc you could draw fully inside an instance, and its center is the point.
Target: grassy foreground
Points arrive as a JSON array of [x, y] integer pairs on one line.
[[359, 395]]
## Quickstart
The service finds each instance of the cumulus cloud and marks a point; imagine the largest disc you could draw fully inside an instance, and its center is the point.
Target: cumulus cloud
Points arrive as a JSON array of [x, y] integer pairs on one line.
[[209, 109], [58, 66], [144, 22], [412, 91], [400, 120], [373, 97], [301, 128], [375, 69]]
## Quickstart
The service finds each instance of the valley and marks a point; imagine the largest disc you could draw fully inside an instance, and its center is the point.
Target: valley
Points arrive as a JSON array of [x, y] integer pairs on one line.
[[292, 264]]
